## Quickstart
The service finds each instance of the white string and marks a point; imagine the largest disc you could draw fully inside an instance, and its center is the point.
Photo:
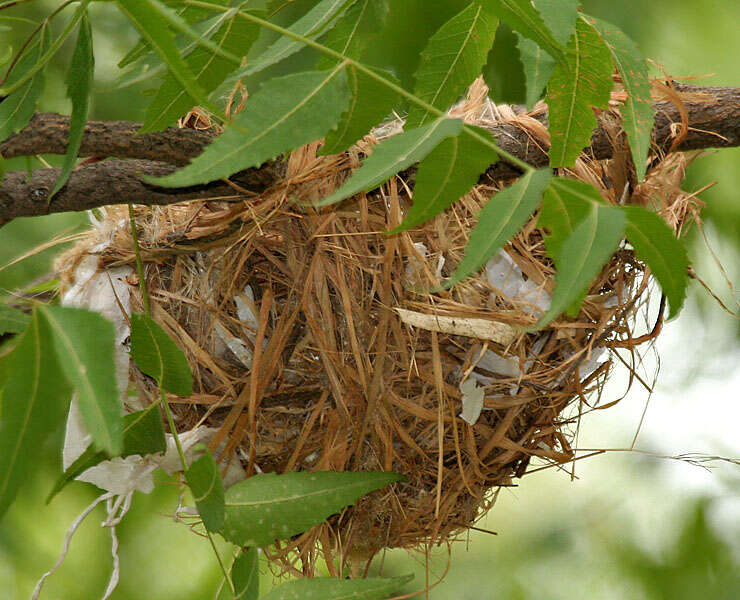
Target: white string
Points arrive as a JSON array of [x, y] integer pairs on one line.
[[67, 540]]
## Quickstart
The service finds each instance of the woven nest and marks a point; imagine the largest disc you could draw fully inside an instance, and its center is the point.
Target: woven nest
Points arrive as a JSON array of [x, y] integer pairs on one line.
[[288, 316]]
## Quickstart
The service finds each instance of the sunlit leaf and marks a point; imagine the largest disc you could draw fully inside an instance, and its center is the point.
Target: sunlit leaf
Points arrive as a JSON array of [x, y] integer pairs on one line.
[[158, 356], [244, 577], [143, 434], [326, 588], [560, 18], [18, 107], [205, 483], [637, 113], [35, 401], [447, 173], [395, 154], [312, 24], [285, 113], [84, 344], [577, 85], [503, 215], [172, 100], [523, 17], [267, 507], [452, 59], [79, 87], [12, 320], [582, 256], [655, 243]]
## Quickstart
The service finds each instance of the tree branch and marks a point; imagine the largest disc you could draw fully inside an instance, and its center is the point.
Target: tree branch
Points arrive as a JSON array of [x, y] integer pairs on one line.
[[713, 115]]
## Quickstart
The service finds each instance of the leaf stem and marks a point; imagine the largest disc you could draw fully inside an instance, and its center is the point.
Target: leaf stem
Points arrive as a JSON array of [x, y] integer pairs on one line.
[[526, 167]]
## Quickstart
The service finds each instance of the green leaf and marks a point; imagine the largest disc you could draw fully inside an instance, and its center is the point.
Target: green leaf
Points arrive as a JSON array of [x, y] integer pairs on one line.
[[370, 102], [35, 401], [577, 85], [560, 18], [328, 588], [393, 155], [143, 434], [446, 174], [285, 113], [172, 100], [452, 59], [312, 24], [84, 343], [12, 320], [566, 203], [637, 113], [79, 86], [522, 17], [354, 30], [244, 576], [158, 356], [267, 507], [18, 107], [503, 215], [582, 256], [207, 487], [147, 18], [656, 244]]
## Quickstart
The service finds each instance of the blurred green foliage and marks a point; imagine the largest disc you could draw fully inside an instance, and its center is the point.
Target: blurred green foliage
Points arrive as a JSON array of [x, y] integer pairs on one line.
[[561, 555]]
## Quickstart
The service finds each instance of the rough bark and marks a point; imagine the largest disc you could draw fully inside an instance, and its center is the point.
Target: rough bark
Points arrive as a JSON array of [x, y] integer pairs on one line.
[[712, 113]]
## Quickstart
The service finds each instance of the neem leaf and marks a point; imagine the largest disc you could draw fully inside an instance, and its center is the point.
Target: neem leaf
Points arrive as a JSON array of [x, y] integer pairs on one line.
[[158, 356], [35, 401], [637, 113], [18, 107], [503, 215], [665, 254], [147, 18], [84, 344], [143, 434], [267, 507], [79, 86], [578, 84], [448, 172], [172, 100], [582, 256], [370, 102], [560, 17], [523, 17], [285, 113], [452, 59], [205, 483], [313, 23], [393, 155], [329, 588], [566, 202], [244, 576], [12, 320]]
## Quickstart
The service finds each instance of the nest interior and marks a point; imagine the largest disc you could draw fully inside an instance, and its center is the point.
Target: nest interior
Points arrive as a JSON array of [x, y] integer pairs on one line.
[[288, 315]]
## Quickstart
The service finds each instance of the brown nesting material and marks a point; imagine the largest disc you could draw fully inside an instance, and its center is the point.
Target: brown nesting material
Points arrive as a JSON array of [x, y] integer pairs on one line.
[[289, 317]]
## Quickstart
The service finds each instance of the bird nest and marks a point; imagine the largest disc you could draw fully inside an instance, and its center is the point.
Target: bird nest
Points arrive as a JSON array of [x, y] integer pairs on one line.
[[315, 343]]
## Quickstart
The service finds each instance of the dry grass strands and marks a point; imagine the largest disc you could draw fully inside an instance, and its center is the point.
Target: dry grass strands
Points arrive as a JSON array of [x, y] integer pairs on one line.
[[293, 321]]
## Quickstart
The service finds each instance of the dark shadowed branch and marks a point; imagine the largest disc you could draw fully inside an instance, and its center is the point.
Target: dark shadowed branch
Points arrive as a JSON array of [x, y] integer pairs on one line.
[[713, 115]]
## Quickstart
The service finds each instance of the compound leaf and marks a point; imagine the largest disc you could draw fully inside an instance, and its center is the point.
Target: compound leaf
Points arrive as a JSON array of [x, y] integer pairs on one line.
[[205, 483], [12, 320]]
